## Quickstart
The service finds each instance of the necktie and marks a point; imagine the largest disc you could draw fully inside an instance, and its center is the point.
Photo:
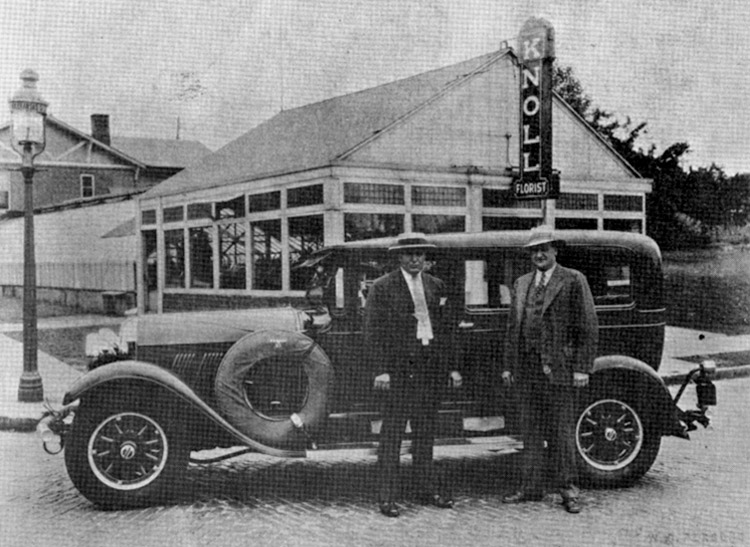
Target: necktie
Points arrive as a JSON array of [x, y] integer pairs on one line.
[[424, 327], [539, 287]]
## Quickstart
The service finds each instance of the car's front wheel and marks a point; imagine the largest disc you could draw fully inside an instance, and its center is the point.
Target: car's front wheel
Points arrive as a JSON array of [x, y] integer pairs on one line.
[[615, 441], [124, 454]]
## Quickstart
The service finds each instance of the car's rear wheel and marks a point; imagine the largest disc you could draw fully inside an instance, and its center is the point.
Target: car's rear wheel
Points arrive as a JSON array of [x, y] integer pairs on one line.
[[615, 441], [124, 454]]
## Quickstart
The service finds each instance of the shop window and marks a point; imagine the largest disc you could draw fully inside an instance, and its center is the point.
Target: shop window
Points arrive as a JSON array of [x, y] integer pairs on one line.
[[578, 202], [233, 208], [304, 195], [269, 201], [174, 255], [437, 224], [623, 203], [305, 237], [266, 254], [436, 195], [576, 224], [201, 257], [148, 217], [505, 199], [87, 186], [174, 214], [359, 226], [624, 225], [379, 194], [508, 223], [199, 210], [232, 256]]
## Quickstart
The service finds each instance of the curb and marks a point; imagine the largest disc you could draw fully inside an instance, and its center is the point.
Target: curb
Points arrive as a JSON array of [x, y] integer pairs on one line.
[[28, 424]]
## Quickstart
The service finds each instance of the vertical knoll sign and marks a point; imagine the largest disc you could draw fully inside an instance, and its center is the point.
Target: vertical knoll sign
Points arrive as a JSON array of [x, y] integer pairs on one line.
[[537, 51]]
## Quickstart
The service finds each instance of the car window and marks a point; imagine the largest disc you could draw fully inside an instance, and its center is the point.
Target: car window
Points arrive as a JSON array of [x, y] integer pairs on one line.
[[608, 271], [488, 281]]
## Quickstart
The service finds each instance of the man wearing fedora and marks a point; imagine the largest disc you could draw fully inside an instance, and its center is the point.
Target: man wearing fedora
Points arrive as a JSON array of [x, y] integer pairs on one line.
[[549, 353], [407, 335]]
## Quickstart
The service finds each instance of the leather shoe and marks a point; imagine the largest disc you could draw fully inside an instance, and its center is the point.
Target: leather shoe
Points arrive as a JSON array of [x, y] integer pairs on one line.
[[389, 509], [521, 496], [443, 502], [572, 505]]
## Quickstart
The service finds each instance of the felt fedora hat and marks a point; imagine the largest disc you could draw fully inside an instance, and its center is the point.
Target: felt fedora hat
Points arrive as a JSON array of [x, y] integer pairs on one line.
[[543, 235], [414, 242]]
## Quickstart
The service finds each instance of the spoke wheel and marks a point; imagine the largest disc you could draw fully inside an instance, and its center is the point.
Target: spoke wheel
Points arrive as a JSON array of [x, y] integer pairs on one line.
[[609, 434], [128, 451], [614, 441], [123, 455]]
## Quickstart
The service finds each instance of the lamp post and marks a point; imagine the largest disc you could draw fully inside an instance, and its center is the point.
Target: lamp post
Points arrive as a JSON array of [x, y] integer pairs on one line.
[[28, 113]]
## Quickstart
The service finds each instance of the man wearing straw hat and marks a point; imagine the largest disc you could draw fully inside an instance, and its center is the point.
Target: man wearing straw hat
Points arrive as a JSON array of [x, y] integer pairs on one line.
[[407, 333], [550, 350]]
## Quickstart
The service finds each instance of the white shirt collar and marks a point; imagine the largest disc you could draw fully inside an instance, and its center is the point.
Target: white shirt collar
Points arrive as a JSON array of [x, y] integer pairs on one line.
[[544, 276]]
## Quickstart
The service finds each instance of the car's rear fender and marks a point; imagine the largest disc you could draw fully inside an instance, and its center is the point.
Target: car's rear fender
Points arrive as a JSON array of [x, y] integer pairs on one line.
[[152, 375], [640, 381]]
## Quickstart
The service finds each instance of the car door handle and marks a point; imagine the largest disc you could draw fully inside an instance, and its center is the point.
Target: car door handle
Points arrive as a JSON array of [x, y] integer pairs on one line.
[[465, 324]]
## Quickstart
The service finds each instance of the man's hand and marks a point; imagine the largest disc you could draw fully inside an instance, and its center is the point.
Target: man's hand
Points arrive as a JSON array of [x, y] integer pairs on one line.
[[383, 382], [580, 379], [456, 380], [507, 378]]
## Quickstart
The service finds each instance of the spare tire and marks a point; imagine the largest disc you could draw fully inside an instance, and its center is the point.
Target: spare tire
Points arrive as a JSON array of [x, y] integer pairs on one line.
[[268, 378]]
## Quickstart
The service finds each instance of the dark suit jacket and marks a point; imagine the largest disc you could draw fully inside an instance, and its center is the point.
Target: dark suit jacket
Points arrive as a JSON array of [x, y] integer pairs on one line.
[[570, 330], [390, 327]]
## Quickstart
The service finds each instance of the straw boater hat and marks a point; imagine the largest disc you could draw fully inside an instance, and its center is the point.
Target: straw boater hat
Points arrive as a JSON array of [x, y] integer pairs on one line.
[[413, 242], [542, 235]]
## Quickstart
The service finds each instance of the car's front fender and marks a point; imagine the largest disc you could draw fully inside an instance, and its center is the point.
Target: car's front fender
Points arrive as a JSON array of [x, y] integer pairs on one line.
[[627, 372], [152, 374]]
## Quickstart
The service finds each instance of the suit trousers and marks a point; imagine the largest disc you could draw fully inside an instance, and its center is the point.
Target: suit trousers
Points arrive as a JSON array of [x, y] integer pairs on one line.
[[412, 398], [548, 412]]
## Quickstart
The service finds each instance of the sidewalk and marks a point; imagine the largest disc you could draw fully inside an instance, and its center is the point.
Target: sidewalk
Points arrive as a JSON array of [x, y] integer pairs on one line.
[[58, 376]]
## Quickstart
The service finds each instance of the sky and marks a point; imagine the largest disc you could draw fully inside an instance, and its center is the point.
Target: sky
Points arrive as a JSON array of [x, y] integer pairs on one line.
[[214, 69]]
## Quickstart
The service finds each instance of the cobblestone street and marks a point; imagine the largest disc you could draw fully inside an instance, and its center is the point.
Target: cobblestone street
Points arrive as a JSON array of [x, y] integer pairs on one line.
[[695, 494]]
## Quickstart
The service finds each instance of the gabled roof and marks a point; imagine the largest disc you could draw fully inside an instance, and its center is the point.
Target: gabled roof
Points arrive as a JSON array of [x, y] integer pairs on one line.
[[334, 131], [141, 152], [161, 152], [316, 135]]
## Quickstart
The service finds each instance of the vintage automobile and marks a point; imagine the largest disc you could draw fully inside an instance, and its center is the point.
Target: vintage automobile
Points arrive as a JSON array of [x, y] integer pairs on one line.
[[285, 381]]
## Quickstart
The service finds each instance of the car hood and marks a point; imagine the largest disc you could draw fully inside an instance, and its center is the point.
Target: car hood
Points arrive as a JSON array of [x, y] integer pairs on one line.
[[209, 326]]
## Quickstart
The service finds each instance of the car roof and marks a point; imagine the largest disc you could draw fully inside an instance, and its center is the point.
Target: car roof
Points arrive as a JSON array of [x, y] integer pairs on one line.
[[506, 239]]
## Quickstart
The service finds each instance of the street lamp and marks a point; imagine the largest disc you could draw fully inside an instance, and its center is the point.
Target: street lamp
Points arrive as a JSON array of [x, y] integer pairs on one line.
[[28, 112]]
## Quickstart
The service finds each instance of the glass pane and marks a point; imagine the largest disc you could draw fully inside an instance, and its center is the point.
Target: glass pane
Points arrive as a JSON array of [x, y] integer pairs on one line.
[[270, 201], [149, 259], [505, 199], [576, 224], [233, 208], [359, 226], [437, 224], [382, 194], [623, 225], [232, 256], [435, 195], [587, 202], [508, 223], [174, 214], [174, 254], [623, 203], [201, 258], [607, 271], [266, 255], [306, 195], [148, 217], [305, 237], [199, 210]]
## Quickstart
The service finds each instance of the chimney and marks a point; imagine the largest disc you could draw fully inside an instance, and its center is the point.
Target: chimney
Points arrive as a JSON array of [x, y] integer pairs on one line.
[[100, 128]]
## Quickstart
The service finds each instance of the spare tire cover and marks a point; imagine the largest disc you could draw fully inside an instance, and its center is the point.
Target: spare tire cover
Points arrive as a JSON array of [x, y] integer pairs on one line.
[[270, 351]]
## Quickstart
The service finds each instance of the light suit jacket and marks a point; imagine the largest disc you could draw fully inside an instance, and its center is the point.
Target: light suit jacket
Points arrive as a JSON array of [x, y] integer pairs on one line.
[[570, 330]]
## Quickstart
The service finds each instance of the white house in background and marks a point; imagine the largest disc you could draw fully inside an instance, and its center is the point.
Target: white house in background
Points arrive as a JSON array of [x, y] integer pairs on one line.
[[84, 191]]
